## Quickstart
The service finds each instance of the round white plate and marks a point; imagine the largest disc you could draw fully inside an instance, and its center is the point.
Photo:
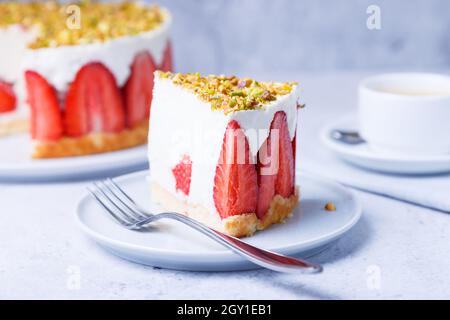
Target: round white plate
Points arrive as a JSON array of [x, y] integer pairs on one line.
[[16, 164], [170, 244], [364, 156]]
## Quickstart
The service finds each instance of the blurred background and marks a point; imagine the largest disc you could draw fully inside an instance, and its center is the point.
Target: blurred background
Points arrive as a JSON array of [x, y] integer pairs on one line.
[[251, 37]]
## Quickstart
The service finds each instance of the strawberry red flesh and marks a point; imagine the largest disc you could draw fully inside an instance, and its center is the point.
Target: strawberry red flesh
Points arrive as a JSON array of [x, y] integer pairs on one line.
[[284, 184], [139, 89], [94, 102], [294, 151], [235, 182], [266, 187], [267, 173], [167, 63], [182, 174], [46, 116], [7, 97]]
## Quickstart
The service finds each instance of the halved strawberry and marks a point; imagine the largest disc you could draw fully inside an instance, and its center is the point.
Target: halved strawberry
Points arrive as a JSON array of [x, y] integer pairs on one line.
[[94, 102], [139, 89], [46, 117], [266, 191], [235, 183], [167, 63], [294, 146], [182, 173], [284, 184], [267, 173], [294, 151], [7, 97]]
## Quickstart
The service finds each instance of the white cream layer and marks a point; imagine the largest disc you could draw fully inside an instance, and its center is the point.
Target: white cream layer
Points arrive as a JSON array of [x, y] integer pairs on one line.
[[180, 123], [59, 65], [15, 39]]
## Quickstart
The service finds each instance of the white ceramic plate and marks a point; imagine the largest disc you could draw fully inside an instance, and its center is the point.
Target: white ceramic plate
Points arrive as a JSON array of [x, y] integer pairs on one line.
[[364, 156], [16, 164], [172, 245]]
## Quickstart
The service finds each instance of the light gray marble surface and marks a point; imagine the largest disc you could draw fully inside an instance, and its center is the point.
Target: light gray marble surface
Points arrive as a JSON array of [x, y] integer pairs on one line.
[[248, 36], [407, 246]]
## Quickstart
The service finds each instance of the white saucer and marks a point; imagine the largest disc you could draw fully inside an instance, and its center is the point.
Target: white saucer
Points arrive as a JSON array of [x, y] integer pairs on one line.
[[172, 245], [364, 156], [16, 164]]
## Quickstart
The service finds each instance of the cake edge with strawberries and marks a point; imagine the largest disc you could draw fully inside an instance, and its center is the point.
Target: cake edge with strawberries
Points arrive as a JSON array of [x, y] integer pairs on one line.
[[240, 225], [190, 88], [97, 140]]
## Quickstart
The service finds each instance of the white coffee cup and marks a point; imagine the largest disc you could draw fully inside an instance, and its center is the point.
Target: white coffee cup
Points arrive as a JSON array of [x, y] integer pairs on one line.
[[406, 113]]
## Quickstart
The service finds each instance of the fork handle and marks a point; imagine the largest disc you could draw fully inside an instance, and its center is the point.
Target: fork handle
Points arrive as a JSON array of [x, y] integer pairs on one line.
[[264, 258]]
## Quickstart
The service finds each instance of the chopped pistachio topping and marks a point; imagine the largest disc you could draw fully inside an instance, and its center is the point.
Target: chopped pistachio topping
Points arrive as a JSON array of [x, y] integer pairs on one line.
[[80, 22], [230, 94], [330, 206]]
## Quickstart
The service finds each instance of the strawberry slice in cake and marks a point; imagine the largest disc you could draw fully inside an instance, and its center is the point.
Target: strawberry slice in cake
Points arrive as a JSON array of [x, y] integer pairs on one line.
[[81, 83], [222, 150]]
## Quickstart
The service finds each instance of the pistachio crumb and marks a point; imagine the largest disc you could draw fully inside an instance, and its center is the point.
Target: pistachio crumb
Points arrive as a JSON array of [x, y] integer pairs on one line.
[[230, 93], [330, 206], [98, 21]]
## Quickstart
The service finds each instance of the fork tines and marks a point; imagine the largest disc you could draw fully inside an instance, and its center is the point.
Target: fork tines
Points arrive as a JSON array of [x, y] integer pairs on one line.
[[117, 203]]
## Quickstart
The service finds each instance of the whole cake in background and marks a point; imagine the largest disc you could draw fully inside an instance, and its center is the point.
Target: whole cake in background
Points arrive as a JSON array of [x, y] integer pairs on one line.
[[80, 77], [231, 161]]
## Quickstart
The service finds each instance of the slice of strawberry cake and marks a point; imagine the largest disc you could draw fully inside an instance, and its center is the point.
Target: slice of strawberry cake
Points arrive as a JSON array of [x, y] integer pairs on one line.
[[80, 75], [222, 150]]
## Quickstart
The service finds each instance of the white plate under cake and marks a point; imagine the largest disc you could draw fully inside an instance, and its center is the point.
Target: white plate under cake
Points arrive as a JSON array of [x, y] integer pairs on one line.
[[171, 244], [222, 150]]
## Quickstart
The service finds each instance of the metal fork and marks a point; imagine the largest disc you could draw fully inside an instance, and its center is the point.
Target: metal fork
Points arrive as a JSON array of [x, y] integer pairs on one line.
[[127, 213]]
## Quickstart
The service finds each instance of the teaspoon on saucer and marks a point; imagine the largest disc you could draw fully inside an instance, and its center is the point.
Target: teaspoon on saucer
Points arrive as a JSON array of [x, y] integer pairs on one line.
[[347, 137]]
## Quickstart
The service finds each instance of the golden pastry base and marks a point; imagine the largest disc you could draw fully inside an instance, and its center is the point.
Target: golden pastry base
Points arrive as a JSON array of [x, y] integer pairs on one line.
[[242, 225], [92, 143]]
